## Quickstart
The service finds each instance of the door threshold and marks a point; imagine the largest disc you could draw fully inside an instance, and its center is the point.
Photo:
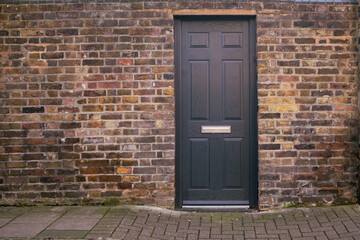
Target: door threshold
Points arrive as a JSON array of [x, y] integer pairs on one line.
[[217, 208]]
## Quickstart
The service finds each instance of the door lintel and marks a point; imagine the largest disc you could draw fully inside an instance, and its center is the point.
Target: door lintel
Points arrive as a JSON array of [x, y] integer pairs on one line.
[[214, 12]]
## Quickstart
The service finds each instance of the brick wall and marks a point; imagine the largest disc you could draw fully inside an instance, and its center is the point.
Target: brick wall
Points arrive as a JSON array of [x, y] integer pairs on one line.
[[358, 35], [87, 101], [308, 105]]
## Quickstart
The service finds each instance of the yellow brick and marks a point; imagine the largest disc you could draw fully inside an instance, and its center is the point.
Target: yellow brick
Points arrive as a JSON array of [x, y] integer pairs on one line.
[[289, 108], [123, 170], [131, 178], [272, 108], [287, 162], [92, 100], [123, 107], [322, 115], [288, 93], [51, 109], [282, 123], [169, 92], [263, 154], [286, 177], [321, 130], [263, 108], [289, 116], [288, 101], [272, 100], [130, 99], [51, 118], [288, 86], [287, 146], [341, 100], [28, 32], [34, 102], [323, 100], [339, 130], [95, 194], [15, 164], [16, 94]]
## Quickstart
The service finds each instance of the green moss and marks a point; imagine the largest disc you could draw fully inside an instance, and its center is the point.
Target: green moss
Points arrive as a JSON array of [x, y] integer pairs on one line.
[[111, 202], [293, 205]]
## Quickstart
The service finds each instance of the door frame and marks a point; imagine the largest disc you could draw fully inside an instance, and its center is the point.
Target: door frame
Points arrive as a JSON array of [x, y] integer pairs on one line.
[[253, 141]]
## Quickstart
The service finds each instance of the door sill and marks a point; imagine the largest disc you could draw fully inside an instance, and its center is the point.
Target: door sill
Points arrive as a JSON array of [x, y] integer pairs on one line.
[[217, 208]]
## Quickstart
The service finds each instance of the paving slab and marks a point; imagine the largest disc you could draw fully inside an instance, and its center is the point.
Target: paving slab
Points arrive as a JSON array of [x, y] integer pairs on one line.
[[81, 224], [4, 221], [56, 234], [21, 230], [12, 212], [79, 219], [29, 222], [86, 212]]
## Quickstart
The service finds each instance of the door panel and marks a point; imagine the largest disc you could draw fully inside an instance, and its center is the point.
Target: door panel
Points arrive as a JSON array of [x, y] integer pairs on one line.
[[232, 81], [232, 40], [214, 82], [198, 40], [199, 148], [199, 78], [234, 163]]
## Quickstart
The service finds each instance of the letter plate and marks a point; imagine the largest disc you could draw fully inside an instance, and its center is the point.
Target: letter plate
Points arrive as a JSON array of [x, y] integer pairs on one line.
[[215, 129]]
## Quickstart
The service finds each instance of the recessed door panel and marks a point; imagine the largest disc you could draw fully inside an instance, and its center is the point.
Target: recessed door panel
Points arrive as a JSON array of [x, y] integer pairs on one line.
[[234, 163], [232, 40], [200, 162], [232, 79], [199, 40], [199, 82]]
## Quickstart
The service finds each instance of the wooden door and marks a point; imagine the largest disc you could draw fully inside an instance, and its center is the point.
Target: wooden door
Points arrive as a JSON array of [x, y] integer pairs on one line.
[[214, 111]]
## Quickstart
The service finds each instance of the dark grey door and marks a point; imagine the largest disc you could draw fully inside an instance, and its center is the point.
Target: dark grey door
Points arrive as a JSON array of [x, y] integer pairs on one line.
[[214, 111]]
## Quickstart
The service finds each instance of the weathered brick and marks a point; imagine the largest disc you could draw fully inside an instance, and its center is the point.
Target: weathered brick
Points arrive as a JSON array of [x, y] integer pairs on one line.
[[53, 134], [33, 109], [304, 40], [144, 170], [52, 55], [269, 146], [15, 40], [304, 24], [304, 176], [67, 32], [93, 62], [50, 179], [305, 71], [109, 178], [92, 108], [289, 63], [32, 16], [70, 125], [328, 71]]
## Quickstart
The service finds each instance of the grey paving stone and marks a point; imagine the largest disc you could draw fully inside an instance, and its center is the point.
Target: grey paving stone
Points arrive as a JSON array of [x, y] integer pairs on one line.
[[47, 209], [74, 224], [25, 230], [86, 212], [62, 234], [47, 219], [4, 221]]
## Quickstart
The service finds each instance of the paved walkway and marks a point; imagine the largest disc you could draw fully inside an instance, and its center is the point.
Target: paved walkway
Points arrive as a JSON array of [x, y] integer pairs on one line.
[[138, 222]]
